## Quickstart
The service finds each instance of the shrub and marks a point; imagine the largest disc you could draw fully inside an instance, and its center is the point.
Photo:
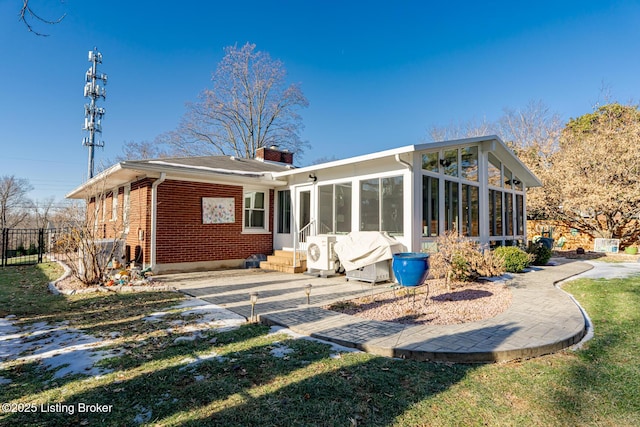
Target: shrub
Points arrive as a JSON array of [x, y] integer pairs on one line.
[[486, 264], [540, 252], [513, 259], [459, 259], [20, 250]]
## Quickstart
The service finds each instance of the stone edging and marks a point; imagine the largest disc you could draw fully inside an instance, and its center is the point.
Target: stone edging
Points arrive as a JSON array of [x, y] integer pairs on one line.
[[53, 286]]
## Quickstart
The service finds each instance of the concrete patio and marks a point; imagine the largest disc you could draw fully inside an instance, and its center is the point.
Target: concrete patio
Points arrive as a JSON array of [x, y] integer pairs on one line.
[[541, 319]]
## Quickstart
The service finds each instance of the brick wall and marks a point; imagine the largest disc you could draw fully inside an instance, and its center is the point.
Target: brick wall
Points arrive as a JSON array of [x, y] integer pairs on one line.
[[182, 237], [140, 219], [109, 227]]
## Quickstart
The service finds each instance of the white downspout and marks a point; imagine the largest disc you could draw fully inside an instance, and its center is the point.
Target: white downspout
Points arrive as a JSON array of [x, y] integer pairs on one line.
[[154, 214], [411, 218], [404, 162]]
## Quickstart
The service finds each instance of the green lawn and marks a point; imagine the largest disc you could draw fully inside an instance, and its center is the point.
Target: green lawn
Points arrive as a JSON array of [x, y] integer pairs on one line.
[[248, 385]]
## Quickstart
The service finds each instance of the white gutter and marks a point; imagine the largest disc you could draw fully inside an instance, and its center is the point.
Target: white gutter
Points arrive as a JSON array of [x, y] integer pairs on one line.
[[404, 162], [154, 214]]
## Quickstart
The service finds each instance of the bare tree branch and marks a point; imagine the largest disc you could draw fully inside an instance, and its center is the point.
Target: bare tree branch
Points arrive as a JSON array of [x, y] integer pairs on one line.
[[248, 107], [13, 199], [27, 13]]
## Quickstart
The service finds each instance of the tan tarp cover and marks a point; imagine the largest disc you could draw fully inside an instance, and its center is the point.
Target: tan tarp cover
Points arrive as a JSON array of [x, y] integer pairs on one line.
[[362, 248]]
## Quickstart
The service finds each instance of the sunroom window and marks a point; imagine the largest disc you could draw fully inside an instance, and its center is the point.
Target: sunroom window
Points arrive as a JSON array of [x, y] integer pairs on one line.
[[382, 205], [334, 208]]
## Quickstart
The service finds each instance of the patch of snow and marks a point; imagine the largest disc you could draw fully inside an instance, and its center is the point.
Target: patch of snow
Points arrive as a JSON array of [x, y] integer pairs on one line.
[[212, 316], [185, 339], [58, 347], [4, 381], [280, 350], [191, 362], [144, 415], [155, 317]]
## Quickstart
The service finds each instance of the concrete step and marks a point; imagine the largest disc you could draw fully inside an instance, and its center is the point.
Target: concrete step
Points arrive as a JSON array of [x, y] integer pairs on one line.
[[289, 254], [284, 268]]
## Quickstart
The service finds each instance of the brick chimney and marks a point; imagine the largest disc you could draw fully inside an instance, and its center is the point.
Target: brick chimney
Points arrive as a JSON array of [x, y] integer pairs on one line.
[[272, 154]]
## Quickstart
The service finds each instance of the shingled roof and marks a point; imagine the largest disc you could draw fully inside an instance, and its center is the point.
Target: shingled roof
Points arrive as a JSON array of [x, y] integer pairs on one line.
[[229, 163]]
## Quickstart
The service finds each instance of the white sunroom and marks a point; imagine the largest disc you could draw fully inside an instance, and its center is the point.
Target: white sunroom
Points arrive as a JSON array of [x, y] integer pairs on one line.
[[476, 186]]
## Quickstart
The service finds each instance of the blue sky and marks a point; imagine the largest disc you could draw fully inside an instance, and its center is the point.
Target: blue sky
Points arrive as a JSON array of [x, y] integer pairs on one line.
[[377, 74]]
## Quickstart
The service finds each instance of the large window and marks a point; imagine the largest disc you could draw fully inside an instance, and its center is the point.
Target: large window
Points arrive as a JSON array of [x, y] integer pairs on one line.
[[471, 211], [381, 205], [334, 208], [520, 213], [508, 213], [430, 205], [284, 211], [495, 213], [451, 206], [254, 210]]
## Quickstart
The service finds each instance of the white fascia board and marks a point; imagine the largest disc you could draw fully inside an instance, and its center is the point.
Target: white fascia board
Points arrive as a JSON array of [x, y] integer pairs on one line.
[[208, 169], [207, 174], [347, 161], [388, 153], [124, 172], [104, 179]]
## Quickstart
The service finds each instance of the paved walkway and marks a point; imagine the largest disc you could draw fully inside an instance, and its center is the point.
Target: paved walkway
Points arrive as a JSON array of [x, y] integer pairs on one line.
[[541, 319]]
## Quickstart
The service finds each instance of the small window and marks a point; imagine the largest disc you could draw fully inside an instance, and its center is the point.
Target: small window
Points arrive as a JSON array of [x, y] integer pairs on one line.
[[450, 162], [126, 207], [254, 210], [508, 178], [430, 162], [469, 163], [494, 171], [114, 204]]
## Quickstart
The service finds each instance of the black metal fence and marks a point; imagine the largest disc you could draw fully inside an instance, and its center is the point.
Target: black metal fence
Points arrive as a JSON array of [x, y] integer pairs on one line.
[[25, 246]]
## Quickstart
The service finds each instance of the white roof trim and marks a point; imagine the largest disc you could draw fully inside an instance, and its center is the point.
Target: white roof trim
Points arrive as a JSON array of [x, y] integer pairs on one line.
[[206, 168]]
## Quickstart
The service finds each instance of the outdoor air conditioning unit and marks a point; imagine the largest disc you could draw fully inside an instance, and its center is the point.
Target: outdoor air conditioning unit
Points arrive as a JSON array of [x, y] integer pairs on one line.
[[320, 253]]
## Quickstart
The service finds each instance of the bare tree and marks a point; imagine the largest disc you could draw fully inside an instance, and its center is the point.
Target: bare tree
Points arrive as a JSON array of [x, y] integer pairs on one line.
[[27, 14], [143, 150], [532, 132], [88, 242], [14, 203], [42, 211], [248, 107], [461, 130]]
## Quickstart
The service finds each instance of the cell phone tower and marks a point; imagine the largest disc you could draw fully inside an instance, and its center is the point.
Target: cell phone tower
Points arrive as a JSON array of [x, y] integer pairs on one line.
[[92, 113]]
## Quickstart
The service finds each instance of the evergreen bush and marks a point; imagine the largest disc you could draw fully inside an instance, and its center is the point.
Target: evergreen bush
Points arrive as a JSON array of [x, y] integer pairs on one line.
[[540, 252], [514, 259]]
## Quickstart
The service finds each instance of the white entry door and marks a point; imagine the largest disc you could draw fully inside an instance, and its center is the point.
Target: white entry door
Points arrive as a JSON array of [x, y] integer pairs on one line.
[[304, 214]]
